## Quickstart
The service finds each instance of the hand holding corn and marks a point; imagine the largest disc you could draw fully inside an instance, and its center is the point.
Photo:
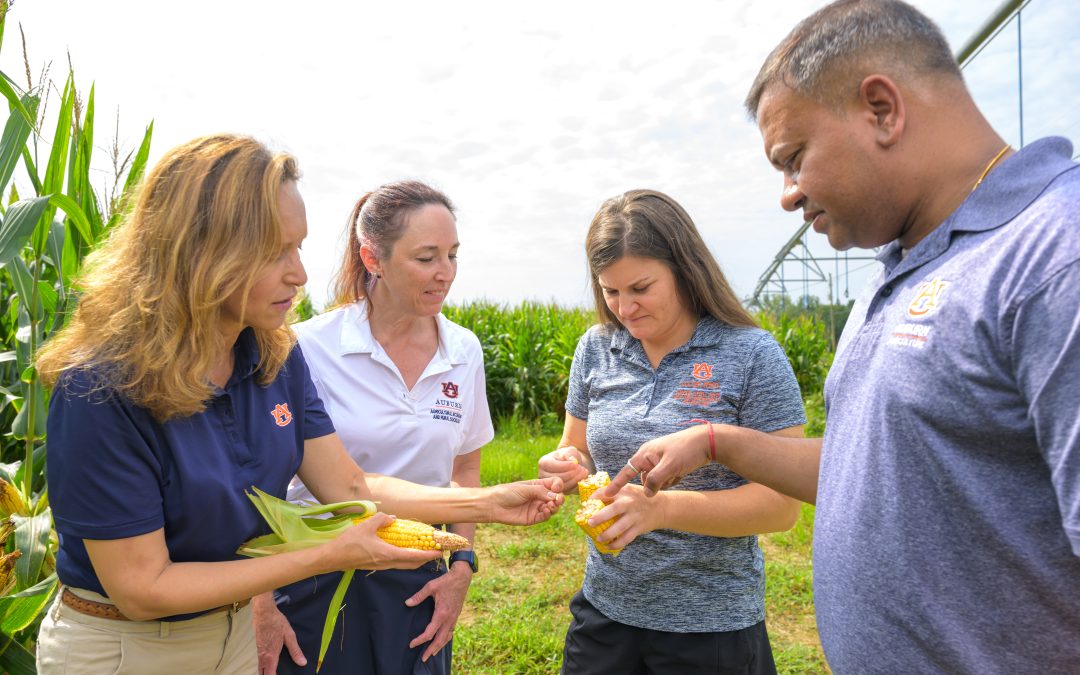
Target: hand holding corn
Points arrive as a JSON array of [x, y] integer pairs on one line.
[[566, 463], [615, 525]]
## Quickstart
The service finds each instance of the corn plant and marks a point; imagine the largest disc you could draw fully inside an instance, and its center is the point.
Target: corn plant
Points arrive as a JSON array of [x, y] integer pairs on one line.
[[528, 350], [44, 237]]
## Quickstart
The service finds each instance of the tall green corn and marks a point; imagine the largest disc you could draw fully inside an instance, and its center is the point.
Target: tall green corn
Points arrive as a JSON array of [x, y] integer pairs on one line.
[[50, 218]]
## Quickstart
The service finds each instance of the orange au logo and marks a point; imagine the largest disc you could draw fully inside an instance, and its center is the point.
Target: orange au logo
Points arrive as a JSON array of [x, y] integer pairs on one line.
[[928, 298], [449, 390], [281, 414], [702, 371]]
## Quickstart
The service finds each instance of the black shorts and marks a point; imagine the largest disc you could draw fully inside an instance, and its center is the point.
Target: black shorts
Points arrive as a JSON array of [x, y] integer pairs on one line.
[[596, 645]]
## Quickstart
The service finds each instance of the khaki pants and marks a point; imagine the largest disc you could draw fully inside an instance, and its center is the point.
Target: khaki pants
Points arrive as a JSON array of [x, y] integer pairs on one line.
[[71, 643]]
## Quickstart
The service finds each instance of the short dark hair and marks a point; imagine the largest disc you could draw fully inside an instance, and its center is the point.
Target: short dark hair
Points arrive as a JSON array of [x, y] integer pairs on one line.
[[828, 53]]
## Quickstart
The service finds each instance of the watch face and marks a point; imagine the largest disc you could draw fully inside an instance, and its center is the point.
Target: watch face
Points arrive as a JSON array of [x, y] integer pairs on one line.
[[466, 556]]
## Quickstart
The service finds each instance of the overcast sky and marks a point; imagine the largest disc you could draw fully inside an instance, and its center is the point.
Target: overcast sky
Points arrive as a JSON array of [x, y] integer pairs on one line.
[[527, 115]]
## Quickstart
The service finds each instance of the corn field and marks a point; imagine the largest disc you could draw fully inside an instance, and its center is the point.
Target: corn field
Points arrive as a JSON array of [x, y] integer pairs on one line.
[[50, 218]]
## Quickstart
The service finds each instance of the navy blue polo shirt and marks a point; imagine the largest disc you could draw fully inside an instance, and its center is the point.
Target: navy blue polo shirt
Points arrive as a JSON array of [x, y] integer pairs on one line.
[[115, 472]]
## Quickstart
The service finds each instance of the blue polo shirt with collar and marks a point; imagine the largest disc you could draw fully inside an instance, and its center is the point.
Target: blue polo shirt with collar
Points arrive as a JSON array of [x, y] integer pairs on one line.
[[115, 472], [947, 530]]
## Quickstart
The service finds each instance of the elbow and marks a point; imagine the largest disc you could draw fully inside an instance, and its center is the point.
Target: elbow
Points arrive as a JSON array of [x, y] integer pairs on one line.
[[789, 515], [137, 609]]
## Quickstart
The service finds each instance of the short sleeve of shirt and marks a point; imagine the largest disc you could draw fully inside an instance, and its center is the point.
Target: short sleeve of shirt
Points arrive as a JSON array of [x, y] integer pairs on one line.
[[771, 400], [1046, 351], [577, 394], [104, 476], [317, 422]]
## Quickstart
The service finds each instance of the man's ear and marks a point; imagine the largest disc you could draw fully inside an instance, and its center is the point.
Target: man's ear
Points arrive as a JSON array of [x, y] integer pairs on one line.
[[880, 96]]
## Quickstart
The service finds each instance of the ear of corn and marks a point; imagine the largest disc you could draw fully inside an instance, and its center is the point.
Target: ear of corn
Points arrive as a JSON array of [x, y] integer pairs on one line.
[[588, 509], [296, 527], [7, 571], [412, 534], [592, 483]]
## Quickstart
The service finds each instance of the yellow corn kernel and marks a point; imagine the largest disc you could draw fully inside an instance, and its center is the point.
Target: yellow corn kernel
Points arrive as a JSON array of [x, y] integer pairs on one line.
[[593, 483], [412, 534], [588, 509]]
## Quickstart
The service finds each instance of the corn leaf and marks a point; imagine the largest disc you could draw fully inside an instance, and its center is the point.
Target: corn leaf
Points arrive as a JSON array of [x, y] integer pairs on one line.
[[15, 100], [32, 538], [21, 609], [16, 132], [22, 218], [16, 659], [332, 615]]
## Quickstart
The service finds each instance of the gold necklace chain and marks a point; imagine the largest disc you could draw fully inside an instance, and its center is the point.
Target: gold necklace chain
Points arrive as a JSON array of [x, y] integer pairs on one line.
[[989, 166]]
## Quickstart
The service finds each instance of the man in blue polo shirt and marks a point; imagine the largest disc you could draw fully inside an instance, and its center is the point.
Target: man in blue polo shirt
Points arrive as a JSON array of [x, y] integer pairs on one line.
[[947, 531]]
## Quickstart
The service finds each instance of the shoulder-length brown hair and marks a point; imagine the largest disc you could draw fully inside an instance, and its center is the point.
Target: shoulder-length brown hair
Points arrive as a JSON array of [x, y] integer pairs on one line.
[[204, 226], [650, 224]]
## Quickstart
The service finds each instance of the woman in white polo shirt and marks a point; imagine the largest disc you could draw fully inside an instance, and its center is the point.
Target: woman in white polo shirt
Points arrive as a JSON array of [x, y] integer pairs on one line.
[[405, 389]]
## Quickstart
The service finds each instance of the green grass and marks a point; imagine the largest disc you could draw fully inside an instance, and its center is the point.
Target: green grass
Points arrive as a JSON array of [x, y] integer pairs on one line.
[[517, 612]]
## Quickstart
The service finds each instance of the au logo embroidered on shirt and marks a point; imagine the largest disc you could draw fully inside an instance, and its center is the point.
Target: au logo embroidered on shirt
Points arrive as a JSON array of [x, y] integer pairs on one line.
[[928, 298], [281, 414], [449, 390], [702, 371]]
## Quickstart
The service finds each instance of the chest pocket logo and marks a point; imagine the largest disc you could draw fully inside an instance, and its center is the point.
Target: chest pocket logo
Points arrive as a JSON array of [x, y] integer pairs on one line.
[[282, 416], [928, 298], [449, 390], [702, 371]]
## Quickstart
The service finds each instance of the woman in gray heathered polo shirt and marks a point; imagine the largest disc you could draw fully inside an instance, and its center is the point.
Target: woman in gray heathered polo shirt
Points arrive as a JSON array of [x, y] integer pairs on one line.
[[673, 347]]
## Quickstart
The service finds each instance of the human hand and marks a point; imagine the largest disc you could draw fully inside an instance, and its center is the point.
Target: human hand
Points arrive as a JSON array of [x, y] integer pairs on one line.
[[448, 591], [272, 630], [567, 464], [359, 547], [525, 502], [662, 462], [637, 515]]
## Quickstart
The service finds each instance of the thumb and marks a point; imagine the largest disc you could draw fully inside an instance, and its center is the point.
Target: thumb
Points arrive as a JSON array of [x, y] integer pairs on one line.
[[295, 653]]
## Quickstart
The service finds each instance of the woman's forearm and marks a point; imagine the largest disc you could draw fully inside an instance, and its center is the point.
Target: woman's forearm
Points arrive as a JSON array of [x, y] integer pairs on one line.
[[742, 511]]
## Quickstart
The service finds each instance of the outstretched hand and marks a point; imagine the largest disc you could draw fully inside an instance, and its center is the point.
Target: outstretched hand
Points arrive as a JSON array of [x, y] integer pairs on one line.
[[525, 502], [661, 462], [566, 463]]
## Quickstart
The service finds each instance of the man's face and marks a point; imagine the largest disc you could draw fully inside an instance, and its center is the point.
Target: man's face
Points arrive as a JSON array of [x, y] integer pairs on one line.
[[832, 169]]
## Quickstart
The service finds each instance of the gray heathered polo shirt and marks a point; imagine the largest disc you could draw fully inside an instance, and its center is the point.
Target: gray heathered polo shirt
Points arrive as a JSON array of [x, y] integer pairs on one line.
[[948, 517], [669, 580]]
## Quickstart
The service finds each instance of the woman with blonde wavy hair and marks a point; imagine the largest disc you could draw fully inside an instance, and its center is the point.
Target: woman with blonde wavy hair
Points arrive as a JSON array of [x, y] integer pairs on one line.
[[177, 386]]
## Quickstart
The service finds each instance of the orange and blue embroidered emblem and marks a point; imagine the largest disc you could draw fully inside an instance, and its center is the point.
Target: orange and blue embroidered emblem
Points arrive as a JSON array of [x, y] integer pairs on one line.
[[449, 390], [928, 298], [281, 414], [702, 371]]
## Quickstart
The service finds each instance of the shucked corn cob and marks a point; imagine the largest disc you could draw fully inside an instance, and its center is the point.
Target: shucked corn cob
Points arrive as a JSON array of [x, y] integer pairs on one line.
[[412, 534], [589, 507], [592, 483]]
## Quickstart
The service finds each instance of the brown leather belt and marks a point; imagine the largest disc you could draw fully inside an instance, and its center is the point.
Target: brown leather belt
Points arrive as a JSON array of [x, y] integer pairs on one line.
[[104, 610]]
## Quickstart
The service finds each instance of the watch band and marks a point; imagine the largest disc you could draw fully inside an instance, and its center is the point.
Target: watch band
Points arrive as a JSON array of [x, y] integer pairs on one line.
[[466, 556]]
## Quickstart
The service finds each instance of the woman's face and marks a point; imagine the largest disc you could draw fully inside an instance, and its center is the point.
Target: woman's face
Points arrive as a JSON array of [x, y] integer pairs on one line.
[[644, 295], [271, 296], [422, 265]]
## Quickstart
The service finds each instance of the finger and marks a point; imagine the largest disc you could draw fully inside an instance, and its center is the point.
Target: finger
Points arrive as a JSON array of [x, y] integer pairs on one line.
[[607, 513], [439, 641], [426, 636], [612, 533], [295, 653], [424, 593]]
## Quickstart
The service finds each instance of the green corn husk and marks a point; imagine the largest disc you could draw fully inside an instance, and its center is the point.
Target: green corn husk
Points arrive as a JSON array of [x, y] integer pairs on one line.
[[295, 527]]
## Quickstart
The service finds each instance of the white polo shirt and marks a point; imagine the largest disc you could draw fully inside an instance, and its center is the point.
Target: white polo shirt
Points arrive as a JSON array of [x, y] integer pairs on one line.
[[386, 428]]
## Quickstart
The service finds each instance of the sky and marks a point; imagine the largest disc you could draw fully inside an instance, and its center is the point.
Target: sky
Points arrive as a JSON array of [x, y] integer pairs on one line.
[[528, 116]]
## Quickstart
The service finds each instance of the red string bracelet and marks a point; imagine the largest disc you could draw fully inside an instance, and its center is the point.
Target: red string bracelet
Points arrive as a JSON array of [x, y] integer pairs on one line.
[[712, 439]]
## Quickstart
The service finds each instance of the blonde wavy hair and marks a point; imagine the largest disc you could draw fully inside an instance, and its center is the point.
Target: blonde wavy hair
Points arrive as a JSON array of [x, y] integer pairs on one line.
[[203, 227]]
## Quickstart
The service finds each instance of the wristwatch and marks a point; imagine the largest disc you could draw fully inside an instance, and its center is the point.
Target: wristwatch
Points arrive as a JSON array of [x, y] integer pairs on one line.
[[466, 556]]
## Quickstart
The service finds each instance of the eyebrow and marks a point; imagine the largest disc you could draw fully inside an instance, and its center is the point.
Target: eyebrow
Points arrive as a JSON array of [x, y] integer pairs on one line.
[[637, 282], [433, 247]]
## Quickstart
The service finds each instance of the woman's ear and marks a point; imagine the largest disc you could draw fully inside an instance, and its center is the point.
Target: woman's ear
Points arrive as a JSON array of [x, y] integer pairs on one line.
[[880, 96], [371, 261]]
